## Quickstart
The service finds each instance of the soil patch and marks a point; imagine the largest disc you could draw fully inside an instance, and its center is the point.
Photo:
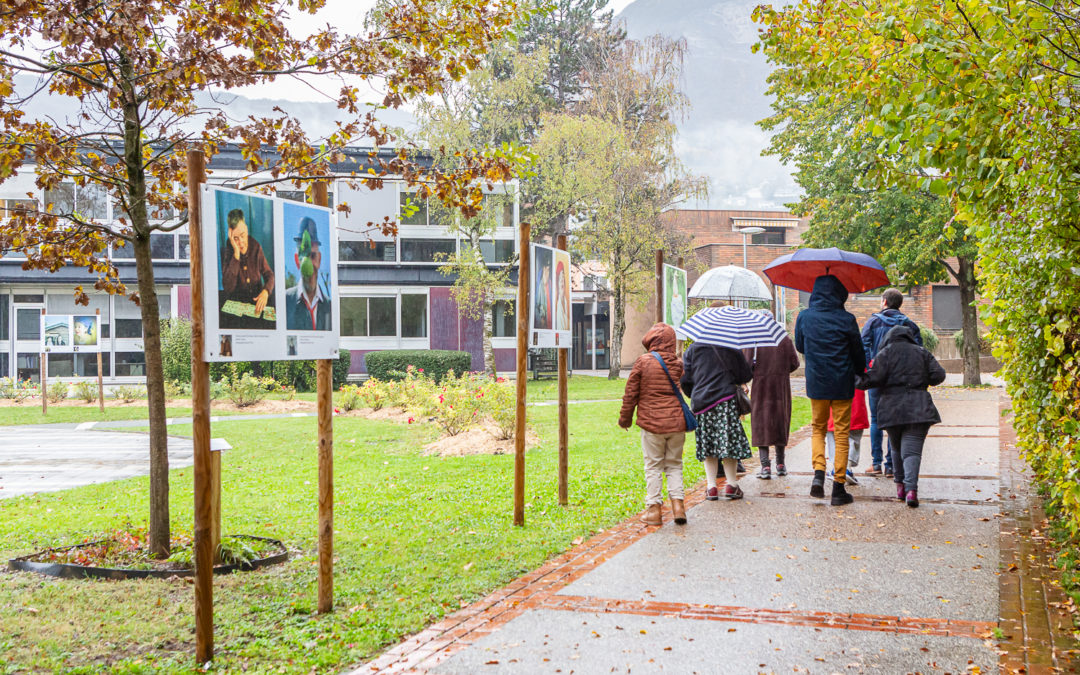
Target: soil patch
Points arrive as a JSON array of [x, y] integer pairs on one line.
[[478, 441], [267, 406], [382, 414]]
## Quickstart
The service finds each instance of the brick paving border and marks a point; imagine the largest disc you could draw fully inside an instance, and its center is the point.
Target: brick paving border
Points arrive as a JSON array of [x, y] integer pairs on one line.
[[1037, 629]]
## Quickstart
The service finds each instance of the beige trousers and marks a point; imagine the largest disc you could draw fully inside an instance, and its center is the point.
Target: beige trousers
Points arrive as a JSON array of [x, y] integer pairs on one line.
[[663, 455]]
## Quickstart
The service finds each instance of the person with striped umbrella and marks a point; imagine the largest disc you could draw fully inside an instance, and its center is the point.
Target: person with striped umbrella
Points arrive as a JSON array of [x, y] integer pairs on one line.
[[713, 371]]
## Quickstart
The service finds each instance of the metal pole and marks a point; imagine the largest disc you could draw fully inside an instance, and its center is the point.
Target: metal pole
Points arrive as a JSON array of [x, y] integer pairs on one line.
[[522, 351], [325, 398], [744, 250], [200, 404]]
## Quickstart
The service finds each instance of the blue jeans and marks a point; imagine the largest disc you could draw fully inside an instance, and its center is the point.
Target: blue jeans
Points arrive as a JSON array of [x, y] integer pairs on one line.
[[876, 433]]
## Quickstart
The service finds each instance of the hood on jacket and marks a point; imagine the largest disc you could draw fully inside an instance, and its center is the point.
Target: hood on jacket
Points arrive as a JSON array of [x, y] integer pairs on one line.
[[829, 293], [659, 338], [898, 334], [891, 317]]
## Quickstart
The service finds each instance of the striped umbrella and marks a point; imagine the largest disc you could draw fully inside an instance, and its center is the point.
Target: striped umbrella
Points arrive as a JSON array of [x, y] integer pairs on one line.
[[734, 327]]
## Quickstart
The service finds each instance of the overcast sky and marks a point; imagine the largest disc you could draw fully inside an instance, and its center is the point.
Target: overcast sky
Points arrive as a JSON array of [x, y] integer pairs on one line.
[[348, 16]]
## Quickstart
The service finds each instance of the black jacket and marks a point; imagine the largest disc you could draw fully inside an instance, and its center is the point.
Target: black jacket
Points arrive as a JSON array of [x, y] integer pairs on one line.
[[880, 323], [711, 373], [902, 371], [829, 338]]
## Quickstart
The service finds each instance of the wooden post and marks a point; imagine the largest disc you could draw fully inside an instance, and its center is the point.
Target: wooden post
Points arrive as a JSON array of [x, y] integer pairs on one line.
[[522, 310], [215, 504], [200, 403], [44, 367], [564, 426], [325, 398], [659, 285], [100, 382]]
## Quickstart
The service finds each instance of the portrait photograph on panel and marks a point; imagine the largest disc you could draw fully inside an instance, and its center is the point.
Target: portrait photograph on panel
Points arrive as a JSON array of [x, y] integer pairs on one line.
[[85, 328], [674, 295], [55, 332], [541, 290], [308, 298], [246, 278], [562, 290]]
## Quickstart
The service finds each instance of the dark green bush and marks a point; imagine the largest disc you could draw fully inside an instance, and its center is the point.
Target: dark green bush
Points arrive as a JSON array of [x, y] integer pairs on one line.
[[176, 349], [391, 364]]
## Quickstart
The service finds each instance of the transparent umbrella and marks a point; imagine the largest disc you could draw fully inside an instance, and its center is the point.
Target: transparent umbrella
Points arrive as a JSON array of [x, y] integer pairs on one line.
[[730, 283]]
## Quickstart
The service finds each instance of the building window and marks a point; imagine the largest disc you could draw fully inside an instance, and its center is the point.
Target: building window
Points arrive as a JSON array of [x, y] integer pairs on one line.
[[162, 246], [61, 365], [948, 310], [497, 251], [130, 364], [9, 207], [367, 251], [4, 330], [427, 250], [410, 201], [28, 324], [5, 364], [29, 299], [414, 322], [129, 328], [369, 317], [185, 247], [89, 201], [86, 364], [772, 236], [502, 319], [292, 195], [125, 252]]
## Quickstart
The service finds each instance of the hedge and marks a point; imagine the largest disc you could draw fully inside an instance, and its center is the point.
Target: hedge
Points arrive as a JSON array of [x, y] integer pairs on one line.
[[391, 364], [176, 362]]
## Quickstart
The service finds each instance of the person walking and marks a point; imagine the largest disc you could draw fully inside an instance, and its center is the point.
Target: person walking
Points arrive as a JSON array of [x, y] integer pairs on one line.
[[652, 391], [770, 402], [828, 337], [859, 422], [710, 377], [902, 371], [873, 332]]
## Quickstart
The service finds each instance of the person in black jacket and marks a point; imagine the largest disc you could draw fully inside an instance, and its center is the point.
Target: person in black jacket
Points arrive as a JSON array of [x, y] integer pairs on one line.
[[902, 371], [710, 377], [828, 337]]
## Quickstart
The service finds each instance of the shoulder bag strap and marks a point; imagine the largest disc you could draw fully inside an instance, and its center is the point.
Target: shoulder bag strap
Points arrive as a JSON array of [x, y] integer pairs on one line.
[[671, 381]]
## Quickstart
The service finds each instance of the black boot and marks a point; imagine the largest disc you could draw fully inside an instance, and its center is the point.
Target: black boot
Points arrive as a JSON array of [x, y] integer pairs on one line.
[[840, 496], [817, 488]]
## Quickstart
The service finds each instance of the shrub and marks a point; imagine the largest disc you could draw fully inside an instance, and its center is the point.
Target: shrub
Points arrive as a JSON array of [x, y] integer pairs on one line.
[[58, 391], [350, 398], [340, 369], [86, 391], [246, 390], [177, 389], [500, 404], [458, 404], [392, 364], [7, 387], [128, 393], [176, 349], [219, 389], [929, 338]]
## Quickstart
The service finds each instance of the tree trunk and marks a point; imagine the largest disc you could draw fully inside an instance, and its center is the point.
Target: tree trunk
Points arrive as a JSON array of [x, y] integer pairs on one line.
[[618, 328], [155, 396], [970, 323]]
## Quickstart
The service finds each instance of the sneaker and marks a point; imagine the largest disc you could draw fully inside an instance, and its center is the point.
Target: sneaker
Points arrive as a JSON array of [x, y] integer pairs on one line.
[[712, 494], [781, 470], [740, 468], [851, 478], [733, 492], [874, 470], [912, 498], [888, 472], [765, 473]]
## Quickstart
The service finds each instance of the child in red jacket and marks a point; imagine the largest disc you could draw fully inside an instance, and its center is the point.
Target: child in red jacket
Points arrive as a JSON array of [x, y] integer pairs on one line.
[[859, 421]]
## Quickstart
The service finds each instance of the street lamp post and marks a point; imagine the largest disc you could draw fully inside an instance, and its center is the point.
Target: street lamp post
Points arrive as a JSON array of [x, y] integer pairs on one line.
[[745, 231]]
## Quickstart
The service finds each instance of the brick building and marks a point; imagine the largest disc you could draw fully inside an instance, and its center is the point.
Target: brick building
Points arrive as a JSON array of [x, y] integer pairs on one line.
[[717, 239]]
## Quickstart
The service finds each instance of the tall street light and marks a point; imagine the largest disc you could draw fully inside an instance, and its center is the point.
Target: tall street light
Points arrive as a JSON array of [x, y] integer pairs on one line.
[[745, 231]]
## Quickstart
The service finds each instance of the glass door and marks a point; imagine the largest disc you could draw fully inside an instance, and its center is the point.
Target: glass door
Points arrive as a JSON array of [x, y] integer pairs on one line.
[[28, 338]]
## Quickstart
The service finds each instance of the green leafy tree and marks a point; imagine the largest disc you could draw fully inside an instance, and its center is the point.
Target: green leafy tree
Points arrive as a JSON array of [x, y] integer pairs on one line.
[[910, 230], [984, 95]]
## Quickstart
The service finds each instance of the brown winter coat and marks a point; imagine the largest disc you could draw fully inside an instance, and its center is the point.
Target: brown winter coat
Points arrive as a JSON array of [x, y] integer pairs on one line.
[[648, 389], [770, 395]]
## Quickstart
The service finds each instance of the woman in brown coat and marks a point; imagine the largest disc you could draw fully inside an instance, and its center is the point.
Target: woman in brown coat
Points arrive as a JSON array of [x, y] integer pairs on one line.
[[770, 402], [660, 417]]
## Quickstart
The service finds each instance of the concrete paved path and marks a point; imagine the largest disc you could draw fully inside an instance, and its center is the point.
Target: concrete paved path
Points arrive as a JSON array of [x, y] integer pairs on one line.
[[777, 582], [46, 459]]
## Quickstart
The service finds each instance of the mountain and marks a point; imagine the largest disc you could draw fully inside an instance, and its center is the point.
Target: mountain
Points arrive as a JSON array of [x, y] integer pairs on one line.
[[726, 85]]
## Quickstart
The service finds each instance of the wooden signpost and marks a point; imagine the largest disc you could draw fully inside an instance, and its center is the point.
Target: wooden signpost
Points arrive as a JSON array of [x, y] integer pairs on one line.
[[324, 396], [564, 428], [522, 355]]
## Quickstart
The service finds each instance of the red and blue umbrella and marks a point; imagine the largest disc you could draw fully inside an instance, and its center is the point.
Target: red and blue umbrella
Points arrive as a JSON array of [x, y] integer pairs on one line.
[[857, 271]]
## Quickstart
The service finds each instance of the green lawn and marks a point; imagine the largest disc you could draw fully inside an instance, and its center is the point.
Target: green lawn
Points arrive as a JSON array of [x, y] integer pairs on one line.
[[580, 388], [416, 537], [30, 413]]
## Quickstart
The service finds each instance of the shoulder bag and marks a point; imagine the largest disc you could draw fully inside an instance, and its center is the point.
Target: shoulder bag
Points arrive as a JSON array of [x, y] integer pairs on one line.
[[688, 415]]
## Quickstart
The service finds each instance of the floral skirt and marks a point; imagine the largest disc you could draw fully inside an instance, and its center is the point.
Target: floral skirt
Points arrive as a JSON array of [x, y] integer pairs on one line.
[[720, 433]]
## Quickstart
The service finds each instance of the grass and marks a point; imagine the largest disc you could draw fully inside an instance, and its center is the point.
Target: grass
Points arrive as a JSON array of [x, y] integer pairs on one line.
[[580, 388], [30, 413], [415, 538]]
